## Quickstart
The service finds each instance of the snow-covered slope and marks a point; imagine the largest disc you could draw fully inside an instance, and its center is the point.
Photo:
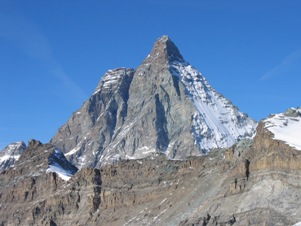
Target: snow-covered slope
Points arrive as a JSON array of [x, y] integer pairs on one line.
[[10, 154], [58, 164], [286, 127], [217, 123]]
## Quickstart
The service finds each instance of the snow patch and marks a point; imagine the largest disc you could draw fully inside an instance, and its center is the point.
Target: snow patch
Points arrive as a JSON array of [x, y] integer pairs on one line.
[[7, 157], [286, 128], [62, 173], [57, 167], [74, 150], [162, 201]]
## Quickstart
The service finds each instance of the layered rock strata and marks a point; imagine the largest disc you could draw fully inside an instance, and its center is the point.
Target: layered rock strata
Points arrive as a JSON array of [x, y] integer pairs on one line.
[[252, 183]]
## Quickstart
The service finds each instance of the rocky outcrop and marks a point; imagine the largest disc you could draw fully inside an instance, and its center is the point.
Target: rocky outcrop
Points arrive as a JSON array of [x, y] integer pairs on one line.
[[32, 195]]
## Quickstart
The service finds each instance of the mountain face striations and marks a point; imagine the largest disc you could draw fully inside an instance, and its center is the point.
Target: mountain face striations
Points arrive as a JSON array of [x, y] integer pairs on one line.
[[164, 106]]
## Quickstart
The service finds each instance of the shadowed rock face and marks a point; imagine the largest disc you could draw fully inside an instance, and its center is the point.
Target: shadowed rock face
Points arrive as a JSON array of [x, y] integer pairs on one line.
[[152, 109]]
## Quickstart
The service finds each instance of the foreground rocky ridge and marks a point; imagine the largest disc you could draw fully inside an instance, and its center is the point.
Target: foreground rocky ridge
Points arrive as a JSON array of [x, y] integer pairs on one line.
[[252, 183], [30, 194]]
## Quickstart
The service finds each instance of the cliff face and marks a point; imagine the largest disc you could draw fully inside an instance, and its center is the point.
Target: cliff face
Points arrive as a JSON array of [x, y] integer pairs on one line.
[[252, 183]]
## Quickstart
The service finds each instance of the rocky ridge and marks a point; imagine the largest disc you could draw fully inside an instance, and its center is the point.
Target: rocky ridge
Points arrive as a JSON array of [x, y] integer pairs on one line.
[[255, 182]]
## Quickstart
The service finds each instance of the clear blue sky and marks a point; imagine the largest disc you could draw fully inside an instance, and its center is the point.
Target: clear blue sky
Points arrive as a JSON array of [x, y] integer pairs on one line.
[[53, 53]]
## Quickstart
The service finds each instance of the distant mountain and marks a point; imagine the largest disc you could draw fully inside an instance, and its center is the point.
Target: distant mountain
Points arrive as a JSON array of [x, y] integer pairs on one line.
[[165, 106], [10, 154]]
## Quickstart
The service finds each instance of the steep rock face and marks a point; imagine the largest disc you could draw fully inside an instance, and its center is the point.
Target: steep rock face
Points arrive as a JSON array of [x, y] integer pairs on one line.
[[164, 106], [10, 154], [93, 127], [159, 111]]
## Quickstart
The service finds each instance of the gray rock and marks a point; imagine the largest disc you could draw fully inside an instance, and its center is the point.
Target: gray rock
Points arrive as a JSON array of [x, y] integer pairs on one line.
[[292, 112]]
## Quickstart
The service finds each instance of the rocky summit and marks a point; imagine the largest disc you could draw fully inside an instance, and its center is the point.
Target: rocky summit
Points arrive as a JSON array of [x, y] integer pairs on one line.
[[157, 145], [164, 106]]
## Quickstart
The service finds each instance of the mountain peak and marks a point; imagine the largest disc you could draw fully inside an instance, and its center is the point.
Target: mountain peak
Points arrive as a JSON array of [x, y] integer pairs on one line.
[[164, 106], [165, 50]]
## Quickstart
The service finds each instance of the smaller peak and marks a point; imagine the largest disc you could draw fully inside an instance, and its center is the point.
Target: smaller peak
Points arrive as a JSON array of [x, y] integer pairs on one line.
[[113, 78]]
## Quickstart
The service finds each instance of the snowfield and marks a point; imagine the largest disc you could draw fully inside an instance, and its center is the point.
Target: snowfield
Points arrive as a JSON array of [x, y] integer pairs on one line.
[[62, 173], [57, 167], [286, 127]]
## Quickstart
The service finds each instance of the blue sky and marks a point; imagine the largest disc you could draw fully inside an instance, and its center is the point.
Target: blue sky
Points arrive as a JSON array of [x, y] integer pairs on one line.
[[53, 53]]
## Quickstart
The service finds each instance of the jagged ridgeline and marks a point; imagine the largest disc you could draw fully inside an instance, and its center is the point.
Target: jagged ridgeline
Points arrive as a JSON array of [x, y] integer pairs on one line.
[[165, 105]]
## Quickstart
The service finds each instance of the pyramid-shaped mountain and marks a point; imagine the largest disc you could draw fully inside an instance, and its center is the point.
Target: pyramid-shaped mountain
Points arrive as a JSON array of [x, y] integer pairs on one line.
[[163, 106]]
